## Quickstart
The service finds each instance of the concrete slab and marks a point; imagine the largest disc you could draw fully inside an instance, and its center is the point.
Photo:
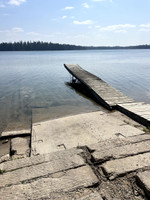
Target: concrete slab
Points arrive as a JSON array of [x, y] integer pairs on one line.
[[139, 138], [59, 182], [144, 181], [58, 160], [19, 147], [4, 150], [4, 158], [16, 133], [115, 168], [102, 155], [92, 196], [32, 172], [108, 144], [78, 130]]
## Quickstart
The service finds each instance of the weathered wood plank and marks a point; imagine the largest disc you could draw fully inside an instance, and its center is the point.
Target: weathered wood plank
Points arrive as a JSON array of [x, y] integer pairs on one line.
[[138, 111], [110, 97], [100, 89]]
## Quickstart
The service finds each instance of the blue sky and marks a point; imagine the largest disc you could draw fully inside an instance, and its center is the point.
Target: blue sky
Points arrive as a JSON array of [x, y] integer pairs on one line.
[[80, 22]]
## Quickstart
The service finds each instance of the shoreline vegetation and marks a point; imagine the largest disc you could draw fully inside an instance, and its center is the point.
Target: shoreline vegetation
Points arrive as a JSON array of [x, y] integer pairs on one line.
[[48, 46]]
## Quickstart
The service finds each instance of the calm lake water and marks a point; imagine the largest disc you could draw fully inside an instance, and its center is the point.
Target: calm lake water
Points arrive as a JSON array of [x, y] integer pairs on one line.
[[35, 83]]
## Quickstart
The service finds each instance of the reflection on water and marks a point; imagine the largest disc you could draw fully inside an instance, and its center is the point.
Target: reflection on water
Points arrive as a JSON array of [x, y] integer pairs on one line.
[[34, 83]]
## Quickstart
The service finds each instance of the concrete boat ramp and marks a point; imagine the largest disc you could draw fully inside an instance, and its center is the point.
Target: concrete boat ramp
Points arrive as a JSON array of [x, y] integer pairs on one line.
[[78, 130], [89, 156]]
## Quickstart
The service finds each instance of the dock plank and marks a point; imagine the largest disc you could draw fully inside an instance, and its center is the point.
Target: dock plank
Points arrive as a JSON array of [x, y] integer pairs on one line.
[[100, 89], [109, 96], [139, 111]]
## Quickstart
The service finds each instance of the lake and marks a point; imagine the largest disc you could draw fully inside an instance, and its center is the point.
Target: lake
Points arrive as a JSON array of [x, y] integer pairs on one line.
[[35, 84]]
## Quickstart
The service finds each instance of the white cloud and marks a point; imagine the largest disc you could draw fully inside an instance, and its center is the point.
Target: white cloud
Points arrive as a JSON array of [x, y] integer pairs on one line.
[[145, 25], [85, 5], [17, 29], [33, 33], [64, 17], [16, 2], [86, 22], [98, 26], [12, 31], [121, 31], [116, 27], [69, 8], [144, 29]]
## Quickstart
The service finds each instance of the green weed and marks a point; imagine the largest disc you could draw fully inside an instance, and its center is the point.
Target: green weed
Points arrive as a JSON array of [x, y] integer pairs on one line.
[[2, 171], [146, 129]]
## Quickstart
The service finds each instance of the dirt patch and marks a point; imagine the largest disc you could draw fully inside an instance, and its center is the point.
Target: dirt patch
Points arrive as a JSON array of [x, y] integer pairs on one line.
[[122, 188]]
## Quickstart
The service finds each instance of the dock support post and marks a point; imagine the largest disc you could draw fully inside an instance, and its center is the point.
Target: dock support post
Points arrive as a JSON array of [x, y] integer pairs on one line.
[[74, 80]]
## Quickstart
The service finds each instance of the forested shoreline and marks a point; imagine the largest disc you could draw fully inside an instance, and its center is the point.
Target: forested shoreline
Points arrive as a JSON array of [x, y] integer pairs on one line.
[[48, 46]]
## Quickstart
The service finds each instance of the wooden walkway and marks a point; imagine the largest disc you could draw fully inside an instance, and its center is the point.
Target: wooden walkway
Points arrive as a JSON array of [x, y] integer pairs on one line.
[[109, 96], [103, 92]]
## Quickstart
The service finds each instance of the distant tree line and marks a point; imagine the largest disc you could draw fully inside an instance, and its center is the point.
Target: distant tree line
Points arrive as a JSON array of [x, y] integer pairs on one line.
[[36, 46], [47, 46]]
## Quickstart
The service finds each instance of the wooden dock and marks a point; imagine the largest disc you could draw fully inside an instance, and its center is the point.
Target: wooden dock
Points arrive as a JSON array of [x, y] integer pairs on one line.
[[104, 93], [109, 97]]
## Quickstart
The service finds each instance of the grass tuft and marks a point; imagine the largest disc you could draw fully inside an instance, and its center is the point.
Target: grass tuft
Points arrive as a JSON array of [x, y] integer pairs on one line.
[[146, 129], [2, 171]]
